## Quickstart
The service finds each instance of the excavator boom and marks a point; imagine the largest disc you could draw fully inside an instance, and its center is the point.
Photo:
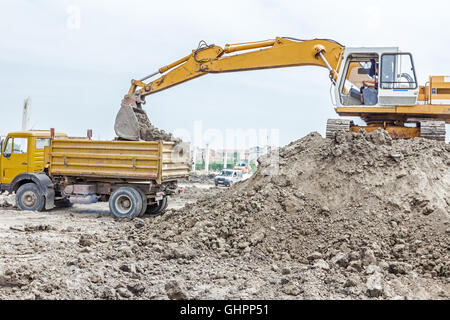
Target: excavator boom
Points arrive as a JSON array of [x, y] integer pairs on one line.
[[275, 53], [278, 53]]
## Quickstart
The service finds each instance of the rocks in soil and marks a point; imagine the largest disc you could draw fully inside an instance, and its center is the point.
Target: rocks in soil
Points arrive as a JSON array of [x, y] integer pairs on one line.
[[315, 256], [124, 293], [139, 223], [291, 289], [285, 271], [86, 240], [7, 200], [374, 285], [200, 177], [151, 133], [136, 288], [174, 291], [321, 264]]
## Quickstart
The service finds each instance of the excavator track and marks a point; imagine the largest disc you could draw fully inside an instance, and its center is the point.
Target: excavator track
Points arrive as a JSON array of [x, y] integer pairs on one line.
[[335, 125], [433, 130]]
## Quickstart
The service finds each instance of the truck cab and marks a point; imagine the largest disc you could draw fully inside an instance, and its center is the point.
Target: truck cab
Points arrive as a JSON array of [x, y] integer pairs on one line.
[[22, 153]]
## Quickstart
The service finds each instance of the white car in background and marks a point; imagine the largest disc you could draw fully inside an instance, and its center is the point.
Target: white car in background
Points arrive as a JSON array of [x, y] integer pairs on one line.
[[228, 177]]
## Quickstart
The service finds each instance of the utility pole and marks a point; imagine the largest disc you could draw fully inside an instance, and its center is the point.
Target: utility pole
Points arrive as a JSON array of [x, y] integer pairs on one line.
[[207, 158], [26, 114], [225, 159], [194, 160]]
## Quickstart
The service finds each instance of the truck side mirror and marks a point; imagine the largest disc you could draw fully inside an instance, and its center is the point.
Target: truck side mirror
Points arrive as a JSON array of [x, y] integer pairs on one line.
[[7, 155]]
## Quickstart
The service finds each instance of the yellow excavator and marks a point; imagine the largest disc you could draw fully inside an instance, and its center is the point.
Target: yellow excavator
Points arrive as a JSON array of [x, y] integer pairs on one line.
[[379, 85]]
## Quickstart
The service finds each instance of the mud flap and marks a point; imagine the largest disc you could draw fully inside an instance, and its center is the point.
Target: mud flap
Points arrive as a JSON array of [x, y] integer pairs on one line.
[[49, 199]]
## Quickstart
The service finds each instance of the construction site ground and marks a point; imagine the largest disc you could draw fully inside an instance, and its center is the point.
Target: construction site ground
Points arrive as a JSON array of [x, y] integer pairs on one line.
[[360, 216]]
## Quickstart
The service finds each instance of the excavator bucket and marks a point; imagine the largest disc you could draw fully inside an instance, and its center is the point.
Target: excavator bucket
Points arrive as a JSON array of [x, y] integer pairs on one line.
[[130, 120]]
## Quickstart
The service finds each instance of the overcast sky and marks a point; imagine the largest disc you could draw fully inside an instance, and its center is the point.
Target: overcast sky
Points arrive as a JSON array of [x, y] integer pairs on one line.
[[77, 73]]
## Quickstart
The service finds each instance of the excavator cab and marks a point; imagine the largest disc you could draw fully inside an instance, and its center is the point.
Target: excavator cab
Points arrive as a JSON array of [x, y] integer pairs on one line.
[[399, 104], [396, 82]]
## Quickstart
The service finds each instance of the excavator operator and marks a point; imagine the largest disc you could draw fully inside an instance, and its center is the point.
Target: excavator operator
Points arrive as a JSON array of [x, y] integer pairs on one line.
[[369, 90]]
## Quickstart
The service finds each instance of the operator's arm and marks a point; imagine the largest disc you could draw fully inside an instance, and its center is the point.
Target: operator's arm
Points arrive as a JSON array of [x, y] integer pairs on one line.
[[278, 53], [369, 83]]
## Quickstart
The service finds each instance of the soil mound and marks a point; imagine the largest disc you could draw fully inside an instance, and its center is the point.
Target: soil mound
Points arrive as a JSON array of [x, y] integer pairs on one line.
[[149, 132], [361, 203]]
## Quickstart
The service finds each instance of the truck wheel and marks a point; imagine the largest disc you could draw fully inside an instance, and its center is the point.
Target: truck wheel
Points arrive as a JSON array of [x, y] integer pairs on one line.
[[29, 198], [144, 201], [157, 209], [125, 202]]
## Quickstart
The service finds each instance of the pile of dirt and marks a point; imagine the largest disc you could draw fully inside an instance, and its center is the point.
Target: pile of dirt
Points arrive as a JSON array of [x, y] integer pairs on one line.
[[194, 192], [363, 207], [151, 133], [201, 177]]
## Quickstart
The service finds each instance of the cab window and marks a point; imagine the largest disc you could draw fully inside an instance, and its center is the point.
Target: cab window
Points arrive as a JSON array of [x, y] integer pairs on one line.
[[41, 143], [8, 147], [20, 146], [397, 71], [359, 68]]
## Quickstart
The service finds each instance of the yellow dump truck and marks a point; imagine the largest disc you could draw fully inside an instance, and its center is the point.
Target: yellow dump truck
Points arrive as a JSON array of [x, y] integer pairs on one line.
[[47, 169]]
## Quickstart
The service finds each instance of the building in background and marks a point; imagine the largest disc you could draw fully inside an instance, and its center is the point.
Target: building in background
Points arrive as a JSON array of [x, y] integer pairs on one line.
[[233, 157]]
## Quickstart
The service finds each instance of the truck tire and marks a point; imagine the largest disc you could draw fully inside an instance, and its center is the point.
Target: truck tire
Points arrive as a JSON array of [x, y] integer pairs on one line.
[[29, 198], [157, 209], [144, 201], [125, 202]]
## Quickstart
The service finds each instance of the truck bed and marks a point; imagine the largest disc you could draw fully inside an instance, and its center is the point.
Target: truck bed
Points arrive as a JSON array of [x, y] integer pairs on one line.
[[127, 160]]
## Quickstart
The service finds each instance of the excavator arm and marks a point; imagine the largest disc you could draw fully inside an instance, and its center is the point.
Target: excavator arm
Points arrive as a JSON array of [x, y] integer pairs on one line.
[[275, 53]]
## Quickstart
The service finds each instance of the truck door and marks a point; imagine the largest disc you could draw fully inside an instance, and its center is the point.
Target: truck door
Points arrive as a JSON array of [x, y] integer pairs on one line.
[[14, 158]]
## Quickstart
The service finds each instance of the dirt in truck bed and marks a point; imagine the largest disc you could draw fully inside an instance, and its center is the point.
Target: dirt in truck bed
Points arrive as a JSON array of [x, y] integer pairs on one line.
[[151, 133], [360, 216]]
